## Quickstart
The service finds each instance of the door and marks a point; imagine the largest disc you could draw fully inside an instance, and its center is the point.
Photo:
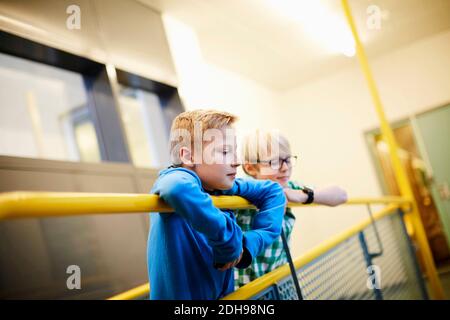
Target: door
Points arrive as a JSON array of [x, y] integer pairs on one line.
[[433, 130]]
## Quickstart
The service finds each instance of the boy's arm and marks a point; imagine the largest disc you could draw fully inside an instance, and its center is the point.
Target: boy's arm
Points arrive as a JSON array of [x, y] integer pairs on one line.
[[329, 196], [182, 192], [269, 198]]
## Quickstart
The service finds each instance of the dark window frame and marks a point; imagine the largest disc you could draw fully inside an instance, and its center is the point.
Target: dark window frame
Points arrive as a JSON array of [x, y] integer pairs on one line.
[[168, 96], [101, 103]]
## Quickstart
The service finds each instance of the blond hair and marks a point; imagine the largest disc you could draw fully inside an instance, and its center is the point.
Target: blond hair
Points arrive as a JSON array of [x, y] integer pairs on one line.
[[184, 126], [261, 144]]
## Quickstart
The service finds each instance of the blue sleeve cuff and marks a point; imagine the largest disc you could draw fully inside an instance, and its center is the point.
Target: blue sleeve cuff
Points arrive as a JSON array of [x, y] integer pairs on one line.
[[252, 242], [246, 259]]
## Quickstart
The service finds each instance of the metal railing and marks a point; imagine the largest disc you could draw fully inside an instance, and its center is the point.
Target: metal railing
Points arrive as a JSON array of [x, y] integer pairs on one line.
[[26, 204], [346, 267], [339, 264]]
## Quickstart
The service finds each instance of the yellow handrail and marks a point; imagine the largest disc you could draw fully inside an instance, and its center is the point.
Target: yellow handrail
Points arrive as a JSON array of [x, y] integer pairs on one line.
[[24, 204], [272, 277], [252, 288], [134, 293]]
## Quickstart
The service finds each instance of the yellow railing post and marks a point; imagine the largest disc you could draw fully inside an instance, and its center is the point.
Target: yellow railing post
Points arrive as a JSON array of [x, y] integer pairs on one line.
[[400, 173]]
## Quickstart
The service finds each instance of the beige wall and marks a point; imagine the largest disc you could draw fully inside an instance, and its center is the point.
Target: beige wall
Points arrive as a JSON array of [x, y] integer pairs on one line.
[[204, 85], [335, 111]]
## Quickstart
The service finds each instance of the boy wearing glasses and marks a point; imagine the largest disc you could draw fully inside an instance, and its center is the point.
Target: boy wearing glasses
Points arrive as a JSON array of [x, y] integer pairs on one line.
[[267, 156]]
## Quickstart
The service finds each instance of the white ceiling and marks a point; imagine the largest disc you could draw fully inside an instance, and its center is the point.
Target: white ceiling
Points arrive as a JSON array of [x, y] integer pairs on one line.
[[260, 42], [112, 31]]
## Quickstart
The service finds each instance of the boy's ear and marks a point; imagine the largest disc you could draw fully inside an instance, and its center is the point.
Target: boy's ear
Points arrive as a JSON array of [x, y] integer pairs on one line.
[[186, 157], [250, 169]]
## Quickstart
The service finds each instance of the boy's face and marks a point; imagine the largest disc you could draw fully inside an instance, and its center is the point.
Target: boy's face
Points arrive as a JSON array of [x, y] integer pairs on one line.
[[264, 171], [217, 171]]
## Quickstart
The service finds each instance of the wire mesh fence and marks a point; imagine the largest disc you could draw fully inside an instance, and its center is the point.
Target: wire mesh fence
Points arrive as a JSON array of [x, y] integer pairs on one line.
[[363, 267]]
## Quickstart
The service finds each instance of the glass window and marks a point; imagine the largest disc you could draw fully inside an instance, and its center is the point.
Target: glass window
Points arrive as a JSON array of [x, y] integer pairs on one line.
[[43, 112], [86, 142], [145, 127]]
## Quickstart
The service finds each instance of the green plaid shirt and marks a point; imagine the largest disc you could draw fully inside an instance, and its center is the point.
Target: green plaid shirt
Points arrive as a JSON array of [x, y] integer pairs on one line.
[[273, 256]]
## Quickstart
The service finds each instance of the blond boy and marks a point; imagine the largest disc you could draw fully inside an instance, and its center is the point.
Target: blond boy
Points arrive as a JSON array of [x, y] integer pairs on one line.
[[192, 251]]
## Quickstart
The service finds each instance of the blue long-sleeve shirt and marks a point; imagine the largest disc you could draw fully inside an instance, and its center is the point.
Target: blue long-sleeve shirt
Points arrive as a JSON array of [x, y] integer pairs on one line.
[[184, 246]]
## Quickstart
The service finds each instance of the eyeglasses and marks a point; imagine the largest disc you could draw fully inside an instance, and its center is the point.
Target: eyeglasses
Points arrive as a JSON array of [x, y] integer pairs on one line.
[[276, 164]]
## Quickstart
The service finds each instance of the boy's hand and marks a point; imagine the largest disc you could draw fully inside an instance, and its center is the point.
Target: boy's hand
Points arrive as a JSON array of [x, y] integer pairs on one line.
[[232, 263]]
